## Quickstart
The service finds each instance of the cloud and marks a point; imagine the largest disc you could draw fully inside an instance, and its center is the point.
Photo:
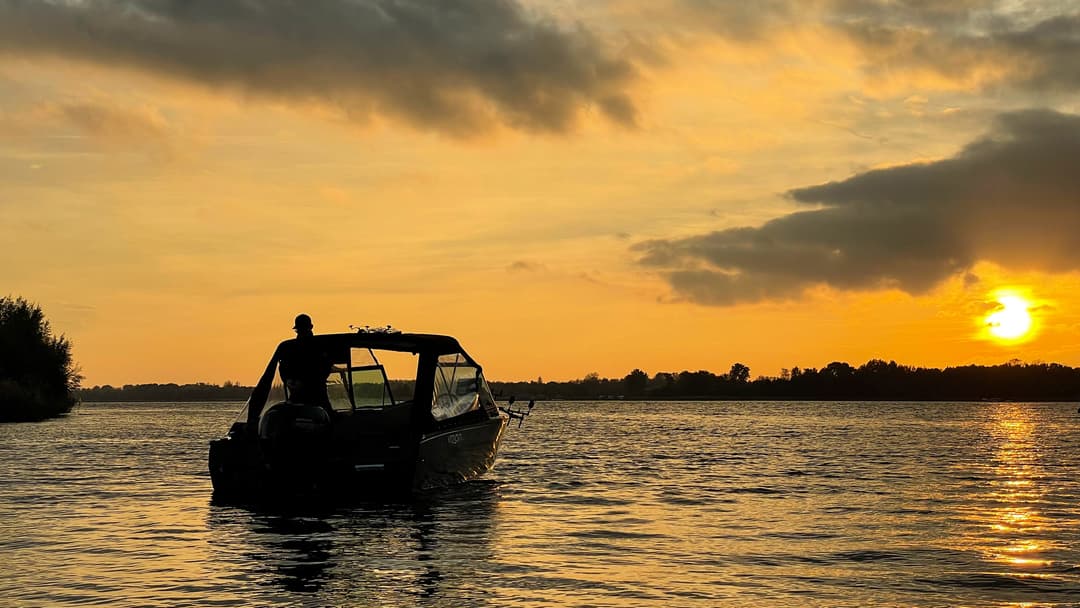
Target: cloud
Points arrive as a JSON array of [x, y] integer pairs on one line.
[[136, 124], [97, 123], [1054, 47], [526, 266], [1011, 198], [974, 41], [455, 66], [741, 21], [972, 44]]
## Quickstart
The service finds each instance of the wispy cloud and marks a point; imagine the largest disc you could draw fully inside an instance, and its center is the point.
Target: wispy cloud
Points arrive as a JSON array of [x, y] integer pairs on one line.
[[98, 124], [110, 122], [526, 266]]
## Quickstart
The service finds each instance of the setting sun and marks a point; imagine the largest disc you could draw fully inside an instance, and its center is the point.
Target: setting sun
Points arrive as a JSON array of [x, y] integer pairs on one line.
[[1011, 319]]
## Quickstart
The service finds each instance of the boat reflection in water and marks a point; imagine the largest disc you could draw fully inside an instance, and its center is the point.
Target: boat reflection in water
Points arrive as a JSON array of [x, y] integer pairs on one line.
[[351, 433], [430, 550]]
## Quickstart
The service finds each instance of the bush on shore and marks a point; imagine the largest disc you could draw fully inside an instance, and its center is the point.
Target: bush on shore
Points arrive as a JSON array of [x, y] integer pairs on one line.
[[38, 378]]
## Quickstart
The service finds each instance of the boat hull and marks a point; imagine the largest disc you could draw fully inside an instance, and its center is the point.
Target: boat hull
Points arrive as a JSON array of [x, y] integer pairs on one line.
[[240, 468], [458, 454]]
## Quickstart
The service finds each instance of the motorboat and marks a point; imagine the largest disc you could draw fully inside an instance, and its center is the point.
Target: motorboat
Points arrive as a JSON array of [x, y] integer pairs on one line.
[[359, 431]]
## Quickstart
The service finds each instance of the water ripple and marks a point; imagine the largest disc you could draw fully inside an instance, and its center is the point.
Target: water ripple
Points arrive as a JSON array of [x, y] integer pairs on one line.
[[595, 504]]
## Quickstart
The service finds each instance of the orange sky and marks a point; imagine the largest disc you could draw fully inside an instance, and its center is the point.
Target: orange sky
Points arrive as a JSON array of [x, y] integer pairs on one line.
[[566, 186]]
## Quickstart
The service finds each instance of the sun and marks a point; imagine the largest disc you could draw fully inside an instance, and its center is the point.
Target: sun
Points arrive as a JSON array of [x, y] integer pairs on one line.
[[1011, 319]]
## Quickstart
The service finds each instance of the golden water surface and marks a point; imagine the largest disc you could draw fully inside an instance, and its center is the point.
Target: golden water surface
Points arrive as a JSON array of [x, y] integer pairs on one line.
[[591, 504]]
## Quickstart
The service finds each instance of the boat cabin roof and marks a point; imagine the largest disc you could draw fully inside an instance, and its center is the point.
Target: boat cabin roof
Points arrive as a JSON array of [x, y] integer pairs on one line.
[[435, 344], [341, 347]]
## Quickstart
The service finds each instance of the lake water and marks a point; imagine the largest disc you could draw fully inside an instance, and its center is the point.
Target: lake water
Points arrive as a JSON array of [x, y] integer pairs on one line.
[[591, 504]]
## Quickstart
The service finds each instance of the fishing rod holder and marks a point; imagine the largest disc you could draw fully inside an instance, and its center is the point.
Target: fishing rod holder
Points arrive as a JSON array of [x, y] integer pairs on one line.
[[517, 414]]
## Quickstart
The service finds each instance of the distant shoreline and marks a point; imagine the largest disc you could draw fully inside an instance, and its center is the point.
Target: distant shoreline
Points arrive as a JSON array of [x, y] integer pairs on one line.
[[660, 400], [875, 381]]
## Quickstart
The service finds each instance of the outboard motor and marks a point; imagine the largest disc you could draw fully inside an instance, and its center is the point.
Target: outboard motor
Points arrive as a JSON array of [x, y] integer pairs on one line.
[[294, 437]]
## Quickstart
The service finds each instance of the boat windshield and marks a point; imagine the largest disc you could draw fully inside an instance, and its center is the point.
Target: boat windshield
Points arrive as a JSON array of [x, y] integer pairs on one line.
[[459, 387]]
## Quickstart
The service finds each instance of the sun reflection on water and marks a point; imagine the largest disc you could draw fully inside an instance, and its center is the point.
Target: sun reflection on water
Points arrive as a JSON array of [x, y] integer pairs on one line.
[[1015, 495]]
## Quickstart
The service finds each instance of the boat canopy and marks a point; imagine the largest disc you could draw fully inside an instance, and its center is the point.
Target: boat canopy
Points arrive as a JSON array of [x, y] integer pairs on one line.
[[399, 342], [358, 379]]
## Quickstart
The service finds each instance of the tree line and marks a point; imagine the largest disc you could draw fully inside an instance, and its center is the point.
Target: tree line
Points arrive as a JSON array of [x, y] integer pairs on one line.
[[199, 391], [876, 380]]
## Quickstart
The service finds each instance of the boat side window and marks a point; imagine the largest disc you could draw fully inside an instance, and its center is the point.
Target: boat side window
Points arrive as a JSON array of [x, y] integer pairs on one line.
[[370, 388], [337, 389], [371, 372], [457, 387]]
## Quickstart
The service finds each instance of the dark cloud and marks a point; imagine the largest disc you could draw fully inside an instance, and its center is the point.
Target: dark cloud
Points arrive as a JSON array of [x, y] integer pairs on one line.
[[745, 21], [1012, 198], [1037, 49], [1053, 46], [456, 66]]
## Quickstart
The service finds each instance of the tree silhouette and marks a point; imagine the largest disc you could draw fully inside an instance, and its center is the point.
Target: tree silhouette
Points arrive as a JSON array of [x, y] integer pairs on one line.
[[635, 383], [37, 376], [739, 373]]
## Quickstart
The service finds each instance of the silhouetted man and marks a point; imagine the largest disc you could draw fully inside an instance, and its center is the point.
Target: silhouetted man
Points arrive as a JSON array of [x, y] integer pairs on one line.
[[304, 366]]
